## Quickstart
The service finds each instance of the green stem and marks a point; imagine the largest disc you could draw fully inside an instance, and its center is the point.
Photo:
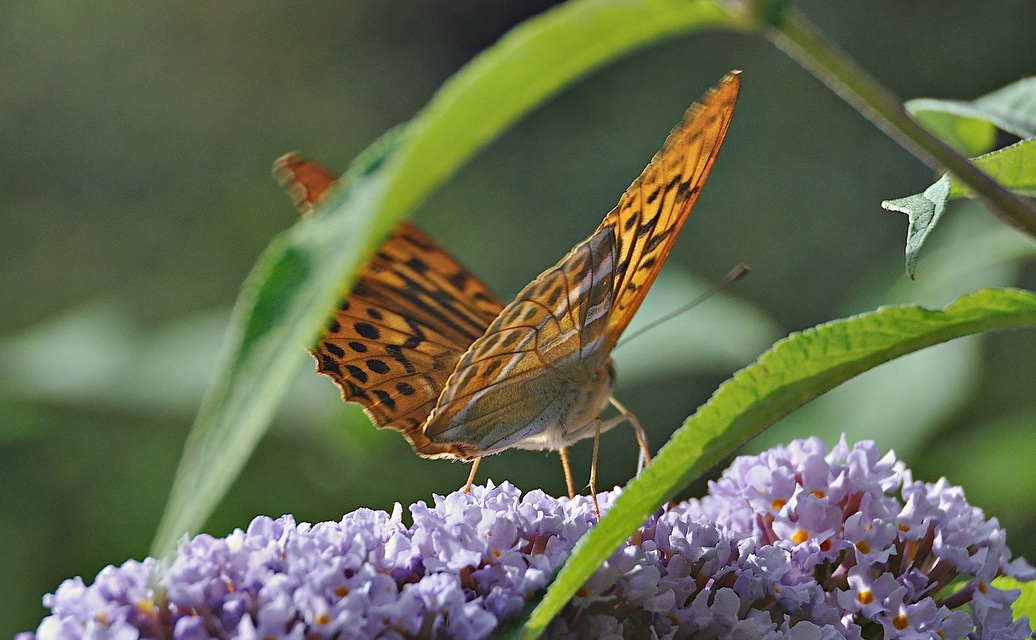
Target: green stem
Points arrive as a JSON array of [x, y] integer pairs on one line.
[[793, 33]]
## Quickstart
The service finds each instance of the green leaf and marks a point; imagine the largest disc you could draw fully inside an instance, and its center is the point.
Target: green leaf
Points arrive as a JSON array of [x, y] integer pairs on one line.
[[282, 305], [923, 212], [969, 253], [969, 125], [796, 370], [299, 278], [1013, 166]]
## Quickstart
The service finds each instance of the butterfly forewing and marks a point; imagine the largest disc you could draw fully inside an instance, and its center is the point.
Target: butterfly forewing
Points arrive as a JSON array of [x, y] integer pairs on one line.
[[652, 212], [397, 336], [305, 181], [538, 378]]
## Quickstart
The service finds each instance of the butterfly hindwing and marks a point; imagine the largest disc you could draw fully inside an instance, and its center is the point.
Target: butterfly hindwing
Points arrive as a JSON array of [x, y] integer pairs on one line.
[[398, 335], [539, 371]]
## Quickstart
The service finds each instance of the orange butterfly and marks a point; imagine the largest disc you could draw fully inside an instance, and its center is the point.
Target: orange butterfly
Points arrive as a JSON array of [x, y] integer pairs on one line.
[[429, 351]]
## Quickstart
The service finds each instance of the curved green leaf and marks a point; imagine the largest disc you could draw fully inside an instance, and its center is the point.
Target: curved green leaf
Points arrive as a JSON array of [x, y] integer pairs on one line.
[[298, 279], [1013, 166], [923, 211], [279, 311], [970, 252], [796, 370], [969, 126]]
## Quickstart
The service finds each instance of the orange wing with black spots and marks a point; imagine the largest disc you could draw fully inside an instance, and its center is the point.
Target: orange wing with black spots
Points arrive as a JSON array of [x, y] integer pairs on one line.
[[305, 181], [397, 337]]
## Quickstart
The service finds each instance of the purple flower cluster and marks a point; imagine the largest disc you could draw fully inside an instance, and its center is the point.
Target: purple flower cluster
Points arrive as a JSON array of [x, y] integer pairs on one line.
[[794, 543], [896, 558]]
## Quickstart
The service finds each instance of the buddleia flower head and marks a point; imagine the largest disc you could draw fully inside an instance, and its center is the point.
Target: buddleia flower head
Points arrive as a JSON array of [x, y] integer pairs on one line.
[[796, 542]]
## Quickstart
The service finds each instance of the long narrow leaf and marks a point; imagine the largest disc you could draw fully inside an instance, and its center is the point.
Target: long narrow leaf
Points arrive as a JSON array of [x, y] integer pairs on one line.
[[282, 303], [796, 370]]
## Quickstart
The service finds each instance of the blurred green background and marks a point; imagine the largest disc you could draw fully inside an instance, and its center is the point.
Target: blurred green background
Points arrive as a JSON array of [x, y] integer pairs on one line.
[[135, 143]]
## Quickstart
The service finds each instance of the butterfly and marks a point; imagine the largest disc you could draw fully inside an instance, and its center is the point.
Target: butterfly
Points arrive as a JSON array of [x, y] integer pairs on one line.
[[427, 349]]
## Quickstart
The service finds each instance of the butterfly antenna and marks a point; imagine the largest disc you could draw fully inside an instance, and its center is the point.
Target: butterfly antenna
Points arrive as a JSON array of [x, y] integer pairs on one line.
[[734, 274]]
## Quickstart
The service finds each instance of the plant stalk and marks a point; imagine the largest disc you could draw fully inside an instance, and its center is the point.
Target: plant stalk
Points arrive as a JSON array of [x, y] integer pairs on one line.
[[795, 35]]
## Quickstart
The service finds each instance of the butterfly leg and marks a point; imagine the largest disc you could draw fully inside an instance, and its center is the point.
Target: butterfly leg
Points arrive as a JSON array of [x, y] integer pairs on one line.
[[601, 426], [593, 467], [471, 476], [563, 454], [645, 451]]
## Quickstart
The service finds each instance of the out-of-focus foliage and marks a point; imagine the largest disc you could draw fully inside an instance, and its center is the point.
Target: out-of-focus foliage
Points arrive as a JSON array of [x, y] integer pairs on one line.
[[970, 125], [135, 144]]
